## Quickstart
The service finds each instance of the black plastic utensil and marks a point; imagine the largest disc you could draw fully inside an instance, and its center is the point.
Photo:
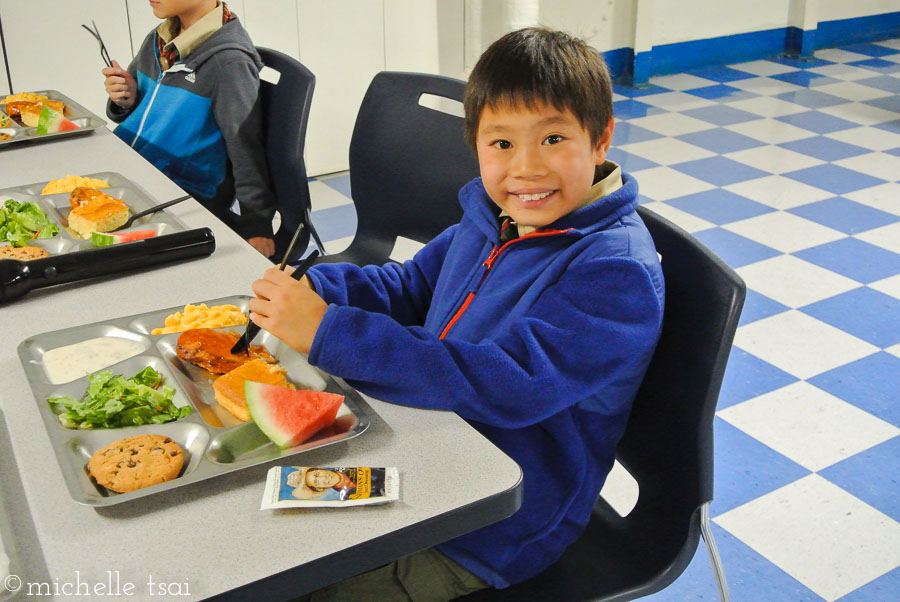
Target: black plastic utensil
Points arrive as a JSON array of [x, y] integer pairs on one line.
[[104, 54], [243, 343], [19, 277], [153, 209]]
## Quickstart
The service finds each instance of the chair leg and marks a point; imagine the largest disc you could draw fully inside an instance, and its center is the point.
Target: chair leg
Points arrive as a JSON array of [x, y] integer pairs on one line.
[[713, 551], [315, 235]]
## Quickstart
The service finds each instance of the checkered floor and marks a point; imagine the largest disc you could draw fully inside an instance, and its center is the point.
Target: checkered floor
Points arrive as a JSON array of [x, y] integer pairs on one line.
[[789, 170]]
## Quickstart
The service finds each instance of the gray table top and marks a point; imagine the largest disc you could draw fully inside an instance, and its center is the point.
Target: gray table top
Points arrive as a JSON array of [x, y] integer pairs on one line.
[[210, 538]]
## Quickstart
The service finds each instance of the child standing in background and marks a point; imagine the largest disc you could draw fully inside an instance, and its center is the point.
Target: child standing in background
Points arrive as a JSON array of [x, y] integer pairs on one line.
[[189, 104]]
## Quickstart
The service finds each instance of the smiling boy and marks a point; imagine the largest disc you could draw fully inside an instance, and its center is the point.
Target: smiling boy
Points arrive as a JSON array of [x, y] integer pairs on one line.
[[534, 318]]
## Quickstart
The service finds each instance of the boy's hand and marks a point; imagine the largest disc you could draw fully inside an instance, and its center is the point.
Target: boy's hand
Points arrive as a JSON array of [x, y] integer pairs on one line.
[[120, 85], [266, 246], [288, 309]]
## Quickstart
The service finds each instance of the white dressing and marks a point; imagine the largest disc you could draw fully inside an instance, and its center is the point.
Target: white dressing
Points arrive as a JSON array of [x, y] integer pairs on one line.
[[65, 364]]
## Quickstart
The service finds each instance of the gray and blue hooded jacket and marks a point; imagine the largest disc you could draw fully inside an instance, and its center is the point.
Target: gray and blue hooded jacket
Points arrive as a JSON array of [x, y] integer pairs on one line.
[[200, 123]]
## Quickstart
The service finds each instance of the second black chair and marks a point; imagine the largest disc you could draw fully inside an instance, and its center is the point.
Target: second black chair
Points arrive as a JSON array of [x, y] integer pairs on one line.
[[407, 164], [286, 106]]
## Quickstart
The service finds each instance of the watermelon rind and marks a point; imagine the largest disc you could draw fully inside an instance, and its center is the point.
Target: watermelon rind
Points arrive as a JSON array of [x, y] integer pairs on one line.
[[302, 413]]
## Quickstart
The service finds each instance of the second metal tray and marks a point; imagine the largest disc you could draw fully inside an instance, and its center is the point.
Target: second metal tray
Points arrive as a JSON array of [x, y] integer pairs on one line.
[[214, 441], [86, 121]]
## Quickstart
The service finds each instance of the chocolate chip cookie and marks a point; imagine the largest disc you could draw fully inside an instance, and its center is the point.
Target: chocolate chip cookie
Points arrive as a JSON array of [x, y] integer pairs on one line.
[[136, 462], [26, 253]]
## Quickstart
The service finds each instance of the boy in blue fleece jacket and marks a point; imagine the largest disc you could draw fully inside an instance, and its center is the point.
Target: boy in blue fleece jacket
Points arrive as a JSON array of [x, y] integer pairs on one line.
[[189, 104], [534, 318]]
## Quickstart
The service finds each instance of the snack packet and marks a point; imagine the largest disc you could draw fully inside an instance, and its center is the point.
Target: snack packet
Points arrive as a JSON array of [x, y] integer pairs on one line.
[[338, 487]]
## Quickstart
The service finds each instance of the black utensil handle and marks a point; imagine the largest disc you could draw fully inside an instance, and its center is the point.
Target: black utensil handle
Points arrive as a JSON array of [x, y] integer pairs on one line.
[[156, 208]]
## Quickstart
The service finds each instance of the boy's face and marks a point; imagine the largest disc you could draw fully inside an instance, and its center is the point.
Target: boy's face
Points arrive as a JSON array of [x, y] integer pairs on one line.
[[166, 9], [537, 164]]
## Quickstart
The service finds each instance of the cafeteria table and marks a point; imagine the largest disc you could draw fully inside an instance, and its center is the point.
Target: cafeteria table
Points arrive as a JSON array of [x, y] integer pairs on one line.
[[209, 538]]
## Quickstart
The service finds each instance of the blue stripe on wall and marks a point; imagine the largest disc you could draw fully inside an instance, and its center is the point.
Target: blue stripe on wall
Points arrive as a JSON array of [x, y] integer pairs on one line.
[[619, 61], [681, 56], [858, 29]]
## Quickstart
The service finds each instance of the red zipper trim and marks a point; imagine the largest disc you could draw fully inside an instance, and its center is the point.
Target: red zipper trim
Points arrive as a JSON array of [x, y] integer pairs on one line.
[[488, 264]]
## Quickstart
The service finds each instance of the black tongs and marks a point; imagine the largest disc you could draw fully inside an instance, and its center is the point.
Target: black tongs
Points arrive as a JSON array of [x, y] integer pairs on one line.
[[243, 343], [103, 52]]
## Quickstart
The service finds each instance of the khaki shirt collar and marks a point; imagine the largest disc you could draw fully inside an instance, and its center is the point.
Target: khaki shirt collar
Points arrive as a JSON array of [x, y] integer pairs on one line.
[[186, 41], [607, 179]]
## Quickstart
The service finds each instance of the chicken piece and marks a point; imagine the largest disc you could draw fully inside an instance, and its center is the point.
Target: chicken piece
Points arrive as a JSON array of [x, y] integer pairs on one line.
[[211, 350], [14, 109], [82, 195]]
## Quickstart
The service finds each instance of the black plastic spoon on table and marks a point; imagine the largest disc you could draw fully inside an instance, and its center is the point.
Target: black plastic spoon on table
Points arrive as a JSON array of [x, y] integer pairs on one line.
[[153, 209], [243, 343]]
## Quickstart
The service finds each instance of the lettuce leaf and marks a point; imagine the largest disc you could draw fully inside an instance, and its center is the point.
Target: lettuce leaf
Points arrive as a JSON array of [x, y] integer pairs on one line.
[[23, 221]]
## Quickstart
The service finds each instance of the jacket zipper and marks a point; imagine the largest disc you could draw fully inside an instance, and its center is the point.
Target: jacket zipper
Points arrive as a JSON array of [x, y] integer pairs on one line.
[[174, 68], [488, 264]]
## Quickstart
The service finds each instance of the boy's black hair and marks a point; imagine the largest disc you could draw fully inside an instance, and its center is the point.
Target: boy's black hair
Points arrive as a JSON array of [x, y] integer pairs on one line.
[[537, 65]]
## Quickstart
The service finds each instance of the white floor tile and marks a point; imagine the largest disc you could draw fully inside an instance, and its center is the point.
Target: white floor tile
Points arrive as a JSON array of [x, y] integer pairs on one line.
[[827, 539], [784, 232], [895, 43], [676, 101], [880, 165], [770, 131], [765, 86], [800, 344], [884, 196], [620, 490], [766, 106], [852, 91], [836, 55], [868, 137], [682, 81], [671, 124], [774, 159], [779, 192], [808, 425], [664, 183], [886, 237], [763, 67], [324, 196], [860, 113], [895, 350], [888, 286], [337, 245], [685, 220], [793, 281], [667, 151], [844, 72]]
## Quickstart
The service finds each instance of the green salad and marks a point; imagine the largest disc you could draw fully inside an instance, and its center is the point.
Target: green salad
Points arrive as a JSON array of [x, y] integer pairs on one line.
[[22, 221], [112, 400]]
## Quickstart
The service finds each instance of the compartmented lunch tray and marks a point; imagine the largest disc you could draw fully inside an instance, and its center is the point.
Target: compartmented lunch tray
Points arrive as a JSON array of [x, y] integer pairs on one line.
[[85, 120], [214, 441], [57, 208]]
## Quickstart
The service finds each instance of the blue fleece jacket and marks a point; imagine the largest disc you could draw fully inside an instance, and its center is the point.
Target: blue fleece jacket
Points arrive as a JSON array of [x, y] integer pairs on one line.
[[540, 344]]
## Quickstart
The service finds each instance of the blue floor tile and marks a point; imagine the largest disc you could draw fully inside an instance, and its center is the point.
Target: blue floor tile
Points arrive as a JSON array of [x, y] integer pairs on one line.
[[879, 65], [889, 126], [872, 475], [809, 79], [734, 249], [335, 222], [747, 469], [871, 384], [818, 122], [879, 590], [833, 178], [757, 307], [747, 376], [881, 82], [720, 171], [875, 50], [812, 99], [721, 115], [632, 109], [888, 103], [801, 62], [845, 215], [626, 133], [863, 312], [720, 140], [719, 73], [628, 161], [827, 149], [894, 151], [854, 259], [340, 183], [722, 93], [719, 206], [637, 91]]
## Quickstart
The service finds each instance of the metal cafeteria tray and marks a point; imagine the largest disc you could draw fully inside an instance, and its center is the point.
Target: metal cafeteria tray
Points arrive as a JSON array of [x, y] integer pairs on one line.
[[214, 441], [57, 207], [85, 120]]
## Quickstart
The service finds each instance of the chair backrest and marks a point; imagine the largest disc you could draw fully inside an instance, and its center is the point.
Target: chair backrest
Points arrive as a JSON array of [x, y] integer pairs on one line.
[[407, 163], [285, 108]]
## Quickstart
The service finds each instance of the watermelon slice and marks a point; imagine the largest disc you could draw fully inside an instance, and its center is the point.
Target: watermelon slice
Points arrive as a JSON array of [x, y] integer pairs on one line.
[[52, 121], [105, 239], [290, 416]]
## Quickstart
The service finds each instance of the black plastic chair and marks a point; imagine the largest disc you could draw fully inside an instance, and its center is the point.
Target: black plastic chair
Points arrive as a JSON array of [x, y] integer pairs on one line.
[[407, 164], [285, 107], [667, 446]]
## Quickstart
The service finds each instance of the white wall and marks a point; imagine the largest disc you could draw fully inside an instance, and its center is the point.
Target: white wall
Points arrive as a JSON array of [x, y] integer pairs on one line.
[[701, 19], [832, 10]]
